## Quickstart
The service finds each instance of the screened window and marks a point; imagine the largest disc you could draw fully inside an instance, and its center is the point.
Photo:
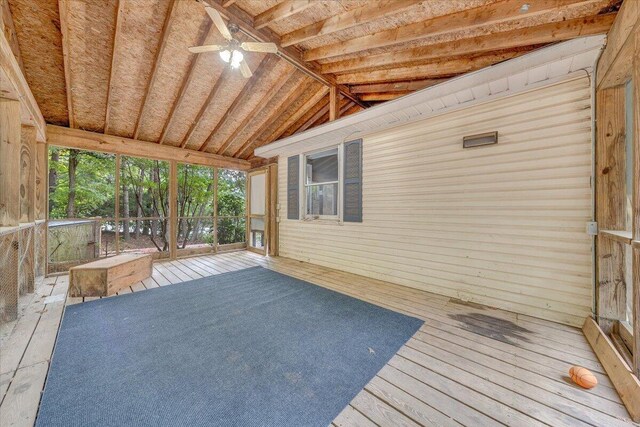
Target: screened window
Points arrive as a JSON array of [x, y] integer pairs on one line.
[[321, 184]]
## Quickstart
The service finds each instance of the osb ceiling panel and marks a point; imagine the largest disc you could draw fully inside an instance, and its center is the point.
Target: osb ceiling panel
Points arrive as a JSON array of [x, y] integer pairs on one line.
[[91, 25], [136, 46], [250, 102], [188, 26], [185, 120], [37, 25]]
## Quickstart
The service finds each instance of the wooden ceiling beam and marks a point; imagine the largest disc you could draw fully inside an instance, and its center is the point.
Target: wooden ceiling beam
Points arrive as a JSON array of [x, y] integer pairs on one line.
[[228, 3], [306, 117], [112, 66], [334, 101], [271, 93], [164, 34], [63, 10], [395, 86], [266, 66], [313, 119], [205, 106], [326, 116], [430, 70], [383, 96], [490, 14], [245, 22], [253, 139], [322, 93], [280, 11], [9, 30], [539, 34], [84, 140], [352, 18], [186, 81]]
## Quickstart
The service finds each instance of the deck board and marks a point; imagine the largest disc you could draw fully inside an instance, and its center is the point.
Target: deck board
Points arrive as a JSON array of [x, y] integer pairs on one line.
[[454, 371]]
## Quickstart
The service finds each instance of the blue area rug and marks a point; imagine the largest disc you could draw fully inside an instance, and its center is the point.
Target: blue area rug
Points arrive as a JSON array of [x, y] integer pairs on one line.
[[247, 348]]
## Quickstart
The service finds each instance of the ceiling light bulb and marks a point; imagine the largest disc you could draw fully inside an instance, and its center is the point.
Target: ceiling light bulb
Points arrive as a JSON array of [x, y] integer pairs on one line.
[[524, 8], [236, 58], [225, 55]]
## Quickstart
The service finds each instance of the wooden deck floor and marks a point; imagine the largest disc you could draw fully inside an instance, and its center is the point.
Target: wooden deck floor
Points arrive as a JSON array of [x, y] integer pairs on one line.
[[468, 365]]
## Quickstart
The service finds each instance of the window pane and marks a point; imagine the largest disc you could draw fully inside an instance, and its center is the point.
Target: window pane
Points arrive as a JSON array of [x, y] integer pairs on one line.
[[322, 167], [195, 190], [257, 232], [195, 232], [144, 189], [81, 184], [231, 230], [258, 196], [231, 192], [322, 199]]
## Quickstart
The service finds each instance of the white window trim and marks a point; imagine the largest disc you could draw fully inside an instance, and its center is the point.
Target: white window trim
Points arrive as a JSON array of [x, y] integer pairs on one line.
[[303, 186]]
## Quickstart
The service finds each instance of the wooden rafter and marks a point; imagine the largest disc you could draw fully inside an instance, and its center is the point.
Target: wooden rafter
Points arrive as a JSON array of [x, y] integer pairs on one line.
[[63, 10], [267, 65], [205, 106], [395, 86], [314, 118], [114, 57], [326, 117], [306, 117], [322, 93], [490, 14], [255, 138], [164, 34], [7, 26], [290, 54], [272, 92], [205, 32], [334, 101], [280, 11], [429, 70], [347, 20], [539, 34], [228, 3], [383, 96]]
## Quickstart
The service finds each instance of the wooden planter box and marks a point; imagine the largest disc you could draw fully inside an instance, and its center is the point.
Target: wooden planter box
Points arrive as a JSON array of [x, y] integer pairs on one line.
[[107, 276]]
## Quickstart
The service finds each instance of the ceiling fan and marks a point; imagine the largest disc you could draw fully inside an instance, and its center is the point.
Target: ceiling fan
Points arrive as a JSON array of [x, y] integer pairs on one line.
[[231, 52]]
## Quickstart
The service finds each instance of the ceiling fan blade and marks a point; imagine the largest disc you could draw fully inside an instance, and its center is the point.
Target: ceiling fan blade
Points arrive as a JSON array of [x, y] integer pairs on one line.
[[259, 47], [245, 70], [219, 22], [208, 48]]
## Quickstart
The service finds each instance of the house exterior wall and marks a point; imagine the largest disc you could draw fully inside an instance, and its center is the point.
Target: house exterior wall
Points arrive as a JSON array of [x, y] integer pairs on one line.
[[501, 225]]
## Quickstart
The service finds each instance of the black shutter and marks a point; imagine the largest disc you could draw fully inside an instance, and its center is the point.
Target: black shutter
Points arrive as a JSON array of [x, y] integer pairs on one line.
[[293, 192], [352, 204]]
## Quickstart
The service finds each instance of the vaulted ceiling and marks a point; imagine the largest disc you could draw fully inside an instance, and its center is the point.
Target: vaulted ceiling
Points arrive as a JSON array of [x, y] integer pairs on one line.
[[122, 67]]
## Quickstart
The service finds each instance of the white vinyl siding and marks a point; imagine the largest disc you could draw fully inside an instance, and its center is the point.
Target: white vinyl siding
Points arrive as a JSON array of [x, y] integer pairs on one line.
[[501, 225]]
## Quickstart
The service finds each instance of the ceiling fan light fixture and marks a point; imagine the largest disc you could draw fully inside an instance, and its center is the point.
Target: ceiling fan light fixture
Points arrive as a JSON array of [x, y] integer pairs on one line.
[[225, 55], [236, 58]]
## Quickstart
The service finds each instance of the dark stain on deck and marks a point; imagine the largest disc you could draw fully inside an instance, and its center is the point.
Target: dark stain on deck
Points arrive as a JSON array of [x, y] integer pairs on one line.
[[492, 327]]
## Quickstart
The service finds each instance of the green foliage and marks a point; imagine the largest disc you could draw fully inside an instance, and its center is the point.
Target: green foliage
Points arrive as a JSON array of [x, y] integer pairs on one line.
[[231, 203], [95, 184], [144, 193]]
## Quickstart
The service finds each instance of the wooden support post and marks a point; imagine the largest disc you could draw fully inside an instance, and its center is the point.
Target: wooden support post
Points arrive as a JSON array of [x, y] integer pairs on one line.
[[636, 206], [28, 174], [173, 209], [215, 210], [9, 162], [273, 209], [610, 214], [41, 181], [334, 103]]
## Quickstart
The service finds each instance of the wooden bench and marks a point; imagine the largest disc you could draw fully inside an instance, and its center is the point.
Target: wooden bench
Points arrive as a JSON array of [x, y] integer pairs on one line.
[[107, 276]]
